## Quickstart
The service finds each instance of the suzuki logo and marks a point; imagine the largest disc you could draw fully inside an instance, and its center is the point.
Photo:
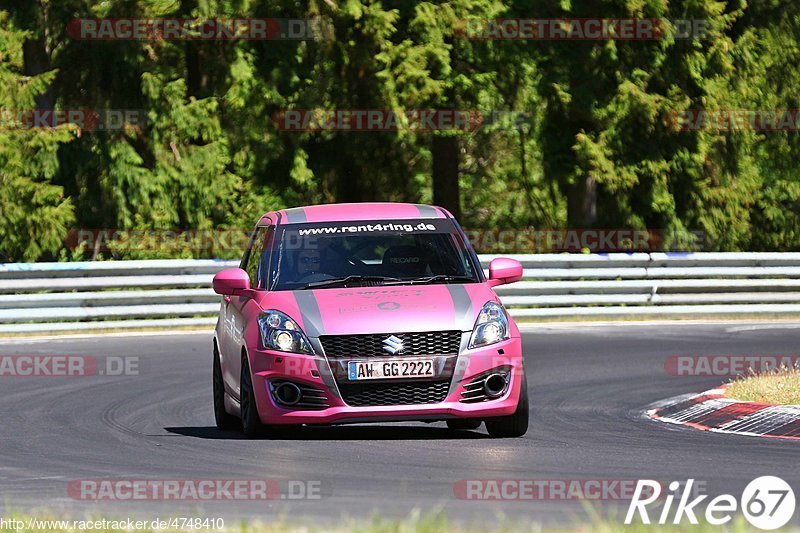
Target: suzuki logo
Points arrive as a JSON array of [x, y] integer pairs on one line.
[[393, 345]]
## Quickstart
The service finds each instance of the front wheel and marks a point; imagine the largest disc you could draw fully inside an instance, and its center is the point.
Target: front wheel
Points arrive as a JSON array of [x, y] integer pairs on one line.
[[251, 422], [513, 425], [223, 419]]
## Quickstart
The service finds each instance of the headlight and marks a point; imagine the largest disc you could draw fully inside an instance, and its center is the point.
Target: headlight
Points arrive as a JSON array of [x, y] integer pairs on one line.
[[279, 332], [491, 326]]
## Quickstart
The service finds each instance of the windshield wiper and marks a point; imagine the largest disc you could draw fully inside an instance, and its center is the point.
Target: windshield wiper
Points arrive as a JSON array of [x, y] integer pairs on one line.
[[348, 279], [442, 277]]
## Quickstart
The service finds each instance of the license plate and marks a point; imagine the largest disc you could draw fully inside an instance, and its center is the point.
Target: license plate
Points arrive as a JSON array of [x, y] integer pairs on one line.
[[406, 368]]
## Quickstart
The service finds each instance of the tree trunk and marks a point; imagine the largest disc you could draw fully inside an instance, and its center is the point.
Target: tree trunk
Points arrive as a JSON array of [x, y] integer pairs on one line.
[[37, 61], [349, 181], [582, 203], [446, 193], [196, 77]]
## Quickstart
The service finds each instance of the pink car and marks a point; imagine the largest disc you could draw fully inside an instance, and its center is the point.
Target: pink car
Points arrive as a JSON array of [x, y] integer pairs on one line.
[[364, 313]]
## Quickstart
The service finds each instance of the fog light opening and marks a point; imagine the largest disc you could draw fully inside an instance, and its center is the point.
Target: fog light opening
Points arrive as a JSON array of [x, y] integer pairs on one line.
[[495, 385], [288, 393]]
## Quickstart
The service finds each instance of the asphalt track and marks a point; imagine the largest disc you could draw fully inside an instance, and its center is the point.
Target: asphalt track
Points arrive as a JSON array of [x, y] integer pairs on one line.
[[588, 386]]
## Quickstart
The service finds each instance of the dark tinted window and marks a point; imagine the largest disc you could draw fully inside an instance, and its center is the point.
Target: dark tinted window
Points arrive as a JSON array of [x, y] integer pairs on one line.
[[257, 261], [408, 250]]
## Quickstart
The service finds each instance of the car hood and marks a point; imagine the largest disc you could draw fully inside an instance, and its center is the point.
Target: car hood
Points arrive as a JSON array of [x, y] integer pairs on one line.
[[386, 309]]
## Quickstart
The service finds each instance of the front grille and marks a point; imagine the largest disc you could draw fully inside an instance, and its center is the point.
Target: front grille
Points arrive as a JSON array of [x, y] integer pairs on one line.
[[426, 343], [409, 393]]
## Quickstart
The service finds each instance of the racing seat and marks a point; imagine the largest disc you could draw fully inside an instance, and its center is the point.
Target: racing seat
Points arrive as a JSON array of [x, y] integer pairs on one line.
[[405, 261]]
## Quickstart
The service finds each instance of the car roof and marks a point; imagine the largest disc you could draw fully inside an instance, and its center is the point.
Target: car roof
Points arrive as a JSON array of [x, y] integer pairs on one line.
[[354, 211]]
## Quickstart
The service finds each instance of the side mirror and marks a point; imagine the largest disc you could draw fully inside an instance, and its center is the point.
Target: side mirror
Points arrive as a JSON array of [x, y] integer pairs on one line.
[[503, 270], [231, 281]]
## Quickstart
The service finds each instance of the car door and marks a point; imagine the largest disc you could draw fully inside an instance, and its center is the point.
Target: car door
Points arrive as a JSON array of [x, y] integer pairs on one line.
[[235, 313]]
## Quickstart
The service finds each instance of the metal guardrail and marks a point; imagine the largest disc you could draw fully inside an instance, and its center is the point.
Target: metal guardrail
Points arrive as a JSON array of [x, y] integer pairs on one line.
[[45, 297]]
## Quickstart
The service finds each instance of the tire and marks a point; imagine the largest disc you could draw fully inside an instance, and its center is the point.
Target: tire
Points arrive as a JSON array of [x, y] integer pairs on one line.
[[251, 423], [463, 423], [223, 419], [514, 425]]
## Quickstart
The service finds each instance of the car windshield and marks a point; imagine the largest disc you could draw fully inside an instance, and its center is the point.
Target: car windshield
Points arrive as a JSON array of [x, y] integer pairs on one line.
[[307, 256]]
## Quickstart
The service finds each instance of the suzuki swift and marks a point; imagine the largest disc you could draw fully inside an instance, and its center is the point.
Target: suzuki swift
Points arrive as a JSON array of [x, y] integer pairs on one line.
[[368, 312]]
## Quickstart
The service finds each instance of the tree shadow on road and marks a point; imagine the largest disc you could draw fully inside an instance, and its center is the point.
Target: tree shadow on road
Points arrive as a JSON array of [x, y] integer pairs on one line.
[[372, 432]]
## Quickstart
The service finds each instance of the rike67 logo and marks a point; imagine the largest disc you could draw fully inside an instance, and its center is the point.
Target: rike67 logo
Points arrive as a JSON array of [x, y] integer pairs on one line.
[[767, 502]]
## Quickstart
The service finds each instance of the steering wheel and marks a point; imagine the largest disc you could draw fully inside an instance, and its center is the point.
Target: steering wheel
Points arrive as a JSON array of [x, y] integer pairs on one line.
[[348, 257], [355, 261]]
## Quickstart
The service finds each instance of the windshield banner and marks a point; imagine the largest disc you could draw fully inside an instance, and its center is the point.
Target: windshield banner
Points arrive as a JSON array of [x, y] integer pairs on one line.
[[364, 227]]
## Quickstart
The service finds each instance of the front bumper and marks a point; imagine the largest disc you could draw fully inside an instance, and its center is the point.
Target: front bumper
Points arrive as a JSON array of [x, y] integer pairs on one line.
[[314, 371]]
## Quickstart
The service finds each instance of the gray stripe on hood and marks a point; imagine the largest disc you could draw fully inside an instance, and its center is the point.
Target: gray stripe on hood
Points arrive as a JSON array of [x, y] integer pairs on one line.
[[312, 321], [296, 215], [309, 308], [462, 361], [465, 321], [462, 305], [324, 366]]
